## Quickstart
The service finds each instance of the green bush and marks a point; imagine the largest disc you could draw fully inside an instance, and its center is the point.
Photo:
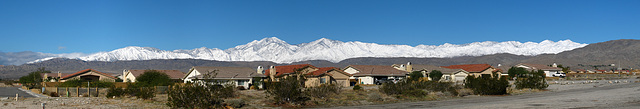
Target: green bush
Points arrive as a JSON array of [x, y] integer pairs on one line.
[[534, 80], [435, 75], [357, 87], [487, 85], [199, 96], [153, 78], [417, 88], [287, 90], [146, 93], [415, 75], [115, 92]]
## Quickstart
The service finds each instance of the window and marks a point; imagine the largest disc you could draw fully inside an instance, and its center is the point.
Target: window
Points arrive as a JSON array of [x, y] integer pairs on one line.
[[447, 77], [323, 80], [241, 82]]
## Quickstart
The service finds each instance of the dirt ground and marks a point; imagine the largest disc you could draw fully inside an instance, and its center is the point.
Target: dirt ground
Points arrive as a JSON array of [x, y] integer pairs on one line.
[[84, 103]]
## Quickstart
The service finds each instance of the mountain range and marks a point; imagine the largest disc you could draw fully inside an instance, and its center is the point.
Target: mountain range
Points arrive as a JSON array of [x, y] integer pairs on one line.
[[623, 53], [276, 50]]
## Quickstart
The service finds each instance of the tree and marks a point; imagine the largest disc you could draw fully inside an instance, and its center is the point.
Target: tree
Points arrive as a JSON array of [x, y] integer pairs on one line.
[[153, 78], [415, 75], [516, 71], [564, 69], [34, 78], [487, 85], [435, 75]]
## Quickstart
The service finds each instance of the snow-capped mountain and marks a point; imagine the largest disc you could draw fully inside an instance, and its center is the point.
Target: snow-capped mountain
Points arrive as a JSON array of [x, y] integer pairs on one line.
[[276, 50]]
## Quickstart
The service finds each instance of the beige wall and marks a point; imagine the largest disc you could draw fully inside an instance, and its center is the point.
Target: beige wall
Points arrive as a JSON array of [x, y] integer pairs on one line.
[[341, 79], [486, 71], [315, 81]]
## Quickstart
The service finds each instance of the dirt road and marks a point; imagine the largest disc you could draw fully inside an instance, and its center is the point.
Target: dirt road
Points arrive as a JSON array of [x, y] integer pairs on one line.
[[610, 96]]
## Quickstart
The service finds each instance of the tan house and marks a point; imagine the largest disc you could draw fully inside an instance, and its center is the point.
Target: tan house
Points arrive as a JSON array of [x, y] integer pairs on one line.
[[369, 74], [130, 75], [88, 75], [330, 75], [238, 76], [477, 70], [448, 75]]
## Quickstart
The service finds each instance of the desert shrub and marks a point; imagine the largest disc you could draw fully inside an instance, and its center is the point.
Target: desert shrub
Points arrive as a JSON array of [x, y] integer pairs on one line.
[[323, 90], [146, 93], [240, 88], [33, 79], [486, 85], [198, 96], [115, 92], [235, 103], [53, 94], [8, 82], [287, 90], [417, 88], [534, 80], [357, 87]]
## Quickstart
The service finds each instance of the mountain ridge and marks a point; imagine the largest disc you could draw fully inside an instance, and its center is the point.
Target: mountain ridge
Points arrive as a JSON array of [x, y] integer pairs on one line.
[[279, 51]]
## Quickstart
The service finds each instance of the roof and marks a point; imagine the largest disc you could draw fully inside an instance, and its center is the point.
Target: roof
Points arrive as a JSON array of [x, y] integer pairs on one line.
[[228, 72], [470, 67], [87, 70], [326, 70], [377, 70], [287, 69], [539, 66], [173, 74], [429, 68]]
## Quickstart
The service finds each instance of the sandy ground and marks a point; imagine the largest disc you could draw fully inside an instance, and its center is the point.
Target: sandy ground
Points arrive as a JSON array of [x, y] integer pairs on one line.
[[579, 94], [82, 103]]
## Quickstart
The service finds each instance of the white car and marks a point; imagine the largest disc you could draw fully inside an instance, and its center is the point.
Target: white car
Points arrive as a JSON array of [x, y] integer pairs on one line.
[[559, 74]]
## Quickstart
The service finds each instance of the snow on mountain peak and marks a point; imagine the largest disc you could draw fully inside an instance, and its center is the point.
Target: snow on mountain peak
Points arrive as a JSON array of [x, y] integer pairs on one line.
[[276, 50]]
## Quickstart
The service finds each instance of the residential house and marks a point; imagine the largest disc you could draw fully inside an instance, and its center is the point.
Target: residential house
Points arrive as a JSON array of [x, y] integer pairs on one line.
[[130, 75], [238, 76], [448, 75], [53, 77], [548, 70], [581, 71], [477, 70], [326, 75], [314, 76], [88, 75], [368, 74]]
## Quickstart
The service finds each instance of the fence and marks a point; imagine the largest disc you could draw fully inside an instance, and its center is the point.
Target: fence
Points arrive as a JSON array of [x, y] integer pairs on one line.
[[87, 92]]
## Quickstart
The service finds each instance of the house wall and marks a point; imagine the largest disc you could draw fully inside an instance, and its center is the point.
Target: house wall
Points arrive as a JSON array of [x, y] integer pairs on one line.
[[315, 81], [365, 80], [486, 71], [193, 73], [459, 77], [129, 78], [341, 79]]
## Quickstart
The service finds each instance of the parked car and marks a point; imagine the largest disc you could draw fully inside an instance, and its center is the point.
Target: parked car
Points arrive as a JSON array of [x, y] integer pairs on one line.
[[558, 74]]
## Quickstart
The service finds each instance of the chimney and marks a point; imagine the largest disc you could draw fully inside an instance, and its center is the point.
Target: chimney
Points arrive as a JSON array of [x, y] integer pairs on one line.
[[260, 70], [409, 67], [554, 65], [59, 74], [272, 73]]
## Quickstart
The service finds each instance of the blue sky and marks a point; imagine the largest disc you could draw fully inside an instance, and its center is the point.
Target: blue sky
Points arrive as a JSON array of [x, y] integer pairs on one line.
[[88, 26]]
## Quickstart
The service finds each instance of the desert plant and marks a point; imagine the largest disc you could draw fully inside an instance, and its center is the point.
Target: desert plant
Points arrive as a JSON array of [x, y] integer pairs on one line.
[[53, 94], [533, 79], [487, 85], [199, 96], [240, 88], [33, 79], [357, 87], [115, 92], [287, 90], [146, 93], [415, 75], [374, 97]]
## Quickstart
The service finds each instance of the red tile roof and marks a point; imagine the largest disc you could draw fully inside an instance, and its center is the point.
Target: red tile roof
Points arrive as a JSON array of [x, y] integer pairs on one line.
[[470, 67], [173, 74], [87, 70], [287, 69]]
